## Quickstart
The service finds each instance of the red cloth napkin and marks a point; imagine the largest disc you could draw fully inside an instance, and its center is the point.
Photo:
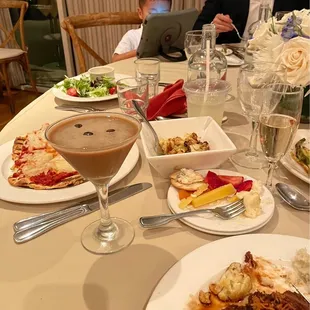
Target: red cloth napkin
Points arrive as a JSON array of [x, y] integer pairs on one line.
[[171, 101]]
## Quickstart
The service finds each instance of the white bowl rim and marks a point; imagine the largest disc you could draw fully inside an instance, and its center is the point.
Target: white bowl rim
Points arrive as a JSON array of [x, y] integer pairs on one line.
[[106, 69]]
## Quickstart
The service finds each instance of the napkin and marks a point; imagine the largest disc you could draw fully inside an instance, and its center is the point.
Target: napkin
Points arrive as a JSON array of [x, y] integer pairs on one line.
[[171, 101]]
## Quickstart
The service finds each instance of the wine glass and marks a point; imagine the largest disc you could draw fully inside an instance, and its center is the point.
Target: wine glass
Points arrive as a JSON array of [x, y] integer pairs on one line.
[[192, 42], [252, 81], [278, 122], [96, 145]]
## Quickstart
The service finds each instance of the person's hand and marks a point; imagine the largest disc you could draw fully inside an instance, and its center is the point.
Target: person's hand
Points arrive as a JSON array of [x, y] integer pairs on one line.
[[223, 23]]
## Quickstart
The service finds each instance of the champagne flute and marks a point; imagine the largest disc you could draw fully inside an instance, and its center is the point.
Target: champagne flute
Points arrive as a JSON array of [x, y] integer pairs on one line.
[[251, 87], [96, 145], [279, 121]]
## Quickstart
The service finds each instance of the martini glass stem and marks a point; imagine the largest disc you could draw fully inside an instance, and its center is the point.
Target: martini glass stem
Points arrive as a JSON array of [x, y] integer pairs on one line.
[[106, 230], [253, 140]]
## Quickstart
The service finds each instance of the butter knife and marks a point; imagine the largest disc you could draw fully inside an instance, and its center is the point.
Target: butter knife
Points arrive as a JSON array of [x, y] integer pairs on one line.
[[35, 226]]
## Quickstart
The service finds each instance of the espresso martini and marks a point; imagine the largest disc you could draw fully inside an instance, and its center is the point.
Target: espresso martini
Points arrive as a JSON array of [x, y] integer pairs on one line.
[[96, 145]]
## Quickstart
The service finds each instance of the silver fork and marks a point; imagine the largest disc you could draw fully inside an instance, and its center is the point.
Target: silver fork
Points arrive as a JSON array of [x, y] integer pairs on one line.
[[79, 109], [226, 212]]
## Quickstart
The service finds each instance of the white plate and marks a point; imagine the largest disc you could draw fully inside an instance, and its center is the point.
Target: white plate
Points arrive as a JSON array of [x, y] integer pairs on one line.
[[58, 93], [291, 164], [198, 268], [221, 49], [214, 225], [31, 196], [234, 61]]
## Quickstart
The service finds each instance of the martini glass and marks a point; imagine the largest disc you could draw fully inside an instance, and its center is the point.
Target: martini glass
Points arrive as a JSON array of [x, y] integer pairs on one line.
[[96, 145]]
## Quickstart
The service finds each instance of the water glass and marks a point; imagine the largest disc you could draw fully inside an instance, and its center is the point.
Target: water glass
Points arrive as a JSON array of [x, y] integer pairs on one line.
[[149, 68], [206, 102], [251, 87], [129, 89], [192, 42], [278, 122]]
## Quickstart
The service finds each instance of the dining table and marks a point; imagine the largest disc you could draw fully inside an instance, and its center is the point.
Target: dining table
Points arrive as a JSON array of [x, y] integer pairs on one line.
[[54, 271]]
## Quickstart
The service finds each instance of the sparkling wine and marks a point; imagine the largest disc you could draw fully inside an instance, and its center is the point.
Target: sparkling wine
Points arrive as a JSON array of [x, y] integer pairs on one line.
[[276, 133]]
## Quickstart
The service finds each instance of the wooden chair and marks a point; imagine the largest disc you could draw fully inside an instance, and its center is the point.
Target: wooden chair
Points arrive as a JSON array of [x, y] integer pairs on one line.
[[70, 24], [19, 53]]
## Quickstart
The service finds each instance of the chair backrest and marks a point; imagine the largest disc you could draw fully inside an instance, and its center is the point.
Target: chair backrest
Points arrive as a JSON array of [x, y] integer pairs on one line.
[[70, 24], [9, 36]]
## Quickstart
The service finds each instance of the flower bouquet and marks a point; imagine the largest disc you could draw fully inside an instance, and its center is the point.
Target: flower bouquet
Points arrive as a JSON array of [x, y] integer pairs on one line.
[[287, 42]]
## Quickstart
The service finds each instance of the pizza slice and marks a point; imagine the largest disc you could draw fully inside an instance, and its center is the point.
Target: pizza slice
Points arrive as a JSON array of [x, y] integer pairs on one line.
[[37, 165]]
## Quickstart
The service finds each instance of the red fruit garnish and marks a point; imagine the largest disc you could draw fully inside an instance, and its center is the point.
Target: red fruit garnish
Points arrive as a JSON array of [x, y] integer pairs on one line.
[[72, 92], [213, 180], [234, 180], [112, 90], [245, 186]]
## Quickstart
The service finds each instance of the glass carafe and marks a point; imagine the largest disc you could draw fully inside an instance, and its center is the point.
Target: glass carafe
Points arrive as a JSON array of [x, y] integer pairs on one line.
[[197, 62], [264, 15]]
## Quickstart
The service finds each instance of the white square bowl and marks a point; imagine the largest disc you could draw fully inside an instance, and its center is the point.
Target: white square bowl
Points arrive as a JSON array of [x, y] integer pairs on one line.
[[221, 147]]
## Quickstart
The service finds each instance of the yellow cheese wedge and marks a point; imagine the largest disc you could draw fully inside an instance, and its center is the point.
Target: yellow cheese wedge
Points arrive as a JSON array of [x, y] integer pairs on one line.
[[201, 189], [185, 202], [216, 194], [233, 199]]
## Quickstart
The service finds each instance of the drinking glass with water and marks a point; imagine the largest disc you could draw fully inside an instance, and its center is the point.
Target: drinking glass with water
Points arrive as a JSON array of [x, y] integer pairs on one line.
[[129, 89], [149, 68]]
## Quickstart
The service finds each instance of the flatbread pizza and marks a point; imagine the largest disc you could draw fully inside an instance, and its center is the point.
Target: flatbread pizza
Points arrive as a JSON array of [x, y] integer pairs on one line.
[[37, 165]]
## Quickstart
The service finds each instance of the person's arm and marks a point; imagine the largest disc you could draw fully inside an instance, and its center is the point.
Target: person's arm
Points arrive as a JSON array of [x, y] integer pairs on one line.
[[208, 13], [212, 13], [118, 57], [125, 48]]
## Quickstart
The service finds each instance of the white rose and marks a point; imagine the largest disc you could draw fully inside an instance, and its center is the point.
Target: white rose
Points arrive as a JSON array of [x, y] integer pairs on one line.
[[295, 55], [305, 24], [303, 14], [260, 37]]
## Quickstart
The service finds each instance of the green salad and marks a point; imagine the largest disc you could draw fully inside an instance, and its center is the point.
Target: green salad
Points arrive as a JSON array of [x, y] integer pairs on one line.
[[84, 87]]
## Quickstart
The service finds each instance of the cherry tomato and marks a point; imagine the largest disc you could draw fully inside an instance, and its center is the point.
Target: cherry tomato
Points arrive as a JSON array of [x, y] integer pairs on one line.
[[112, 90], [72, 92]]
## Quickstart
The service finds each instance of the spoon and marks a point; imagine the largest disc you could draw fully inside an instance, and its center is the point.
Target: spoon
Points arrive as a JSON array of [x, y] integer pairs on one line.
[[157, 147], [294, 198]]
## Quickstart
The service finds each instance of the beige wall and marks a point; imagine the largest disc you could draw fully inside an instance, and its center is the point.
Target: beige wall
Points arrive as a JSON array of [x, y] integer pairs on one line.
[[104, 39]]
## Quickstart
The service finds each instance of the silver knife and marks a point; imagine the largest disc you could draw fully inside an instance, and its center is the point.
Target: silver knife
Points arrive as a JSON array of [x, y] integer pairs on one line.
[[44, 217], [33, 227]]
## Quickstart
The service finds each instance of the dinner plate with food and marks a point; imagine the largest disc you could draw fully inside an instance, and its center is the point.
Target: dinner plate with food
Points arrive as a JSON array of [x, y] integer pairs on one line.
[[194, 190], [32, 172], [260, 271], [82, 88], [297, 159]]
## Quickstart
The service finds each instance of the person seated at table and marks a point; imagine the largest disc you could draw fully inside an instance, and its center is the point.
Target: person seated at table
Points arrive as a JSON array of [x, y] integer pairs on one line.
[[241, 13], [128, 45]]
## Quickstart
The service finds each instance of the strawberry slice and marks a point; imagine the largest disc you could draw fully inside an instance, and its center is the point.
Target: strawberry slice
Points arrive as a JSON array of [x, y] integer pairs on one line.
[[213, 180], [245, 186], [234, 180]]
